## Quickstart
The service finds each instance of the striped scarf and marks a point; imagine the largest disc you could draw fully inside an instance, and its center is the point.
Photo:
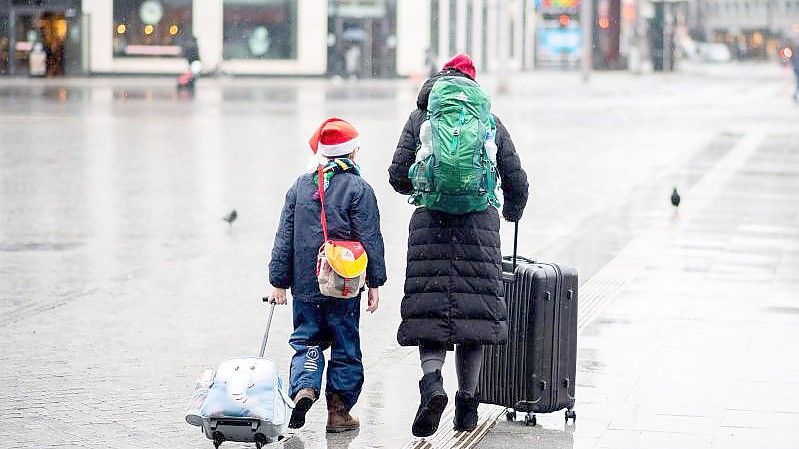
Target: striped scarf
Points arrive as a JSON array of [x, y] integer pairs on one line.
[[335, 166]]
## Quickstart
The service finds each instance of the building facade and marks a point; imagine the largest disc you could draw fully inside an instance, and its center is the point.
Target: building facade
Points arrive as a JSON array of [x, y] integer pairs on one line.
[[364, 38], [751, 28], [248, 37]]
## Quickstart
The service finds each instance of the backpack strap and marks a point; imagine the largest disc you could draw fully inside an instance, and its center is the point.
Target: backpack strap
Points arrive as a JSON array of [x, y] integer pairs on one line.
[[321, 186], [338, 165]]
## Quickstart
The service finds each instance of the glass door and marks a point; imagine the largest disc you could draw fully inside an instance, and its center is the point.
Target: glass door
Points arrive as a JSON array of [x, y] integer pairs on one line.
[[73, 46], [4, 41], [25, 37], [361, 40], [45, 39]]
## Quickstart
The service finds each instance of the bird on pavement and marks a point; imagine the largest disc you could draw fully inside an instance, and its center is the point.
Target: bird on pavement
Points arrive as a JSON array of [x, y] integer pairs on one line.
[[675, 198], [231, 217]]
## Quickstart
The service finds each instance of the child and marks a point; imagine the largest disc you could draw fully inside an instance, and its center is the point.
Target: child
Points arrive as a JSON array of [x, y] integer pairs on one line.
[[322, 322]]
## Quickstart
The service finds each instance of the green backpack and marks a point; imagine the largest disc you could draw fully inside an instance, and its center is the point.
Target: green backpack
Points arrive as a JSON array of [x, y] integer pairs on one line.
[[455, 168]]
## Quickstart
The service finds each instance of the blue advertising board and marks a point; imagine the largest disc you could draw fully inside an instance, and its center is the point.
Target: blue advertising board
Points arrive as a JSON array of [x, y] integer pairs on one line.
[[558, 45], [559, 40]]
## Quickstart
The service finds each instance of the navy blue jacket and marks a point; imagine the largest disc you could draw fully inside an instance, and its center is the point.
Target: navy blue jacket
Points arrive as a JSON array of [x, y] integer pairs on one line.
[[352, 214]]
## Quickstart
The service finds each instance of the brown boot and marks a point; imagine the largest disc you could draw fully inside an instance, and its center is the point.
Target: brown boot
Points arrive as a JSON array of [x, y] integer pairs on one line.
[[302, 403], [338, 417]]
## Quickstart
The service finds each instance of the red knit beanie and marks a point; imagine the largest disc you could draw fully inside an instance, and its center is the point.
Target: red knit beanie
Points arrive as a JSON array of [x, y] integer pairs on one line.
[[462, 63], [334, 137]]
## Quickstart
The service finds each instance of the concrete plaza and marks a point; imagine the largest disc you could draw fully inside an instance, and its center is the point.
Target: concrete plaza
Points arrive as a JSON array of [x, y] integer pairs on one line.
[[119, 282]]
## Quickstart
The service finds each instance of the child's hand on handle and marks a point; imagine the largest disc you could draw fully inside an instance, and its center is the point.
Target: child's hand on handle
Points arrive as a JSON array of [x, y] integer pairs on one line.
[[373, 300], [278, 296]]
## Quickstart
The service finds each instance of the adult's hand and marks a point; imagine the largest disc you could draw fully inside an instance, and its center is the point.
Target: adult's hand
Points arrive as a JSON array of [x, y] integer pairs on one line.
[[373, 300], [278, 296], [511, 215]]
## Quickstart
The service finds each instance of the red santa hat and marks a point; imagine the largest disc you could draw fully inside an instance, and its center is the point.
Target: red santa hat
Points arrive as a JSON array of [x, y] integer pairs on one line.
[[462, 63], [334, 137]]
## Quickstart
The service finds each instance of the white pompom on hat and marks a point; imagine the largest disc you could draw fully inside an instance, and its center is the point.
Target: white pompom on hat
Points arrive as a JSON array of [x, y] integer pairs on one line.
[[334, 137]]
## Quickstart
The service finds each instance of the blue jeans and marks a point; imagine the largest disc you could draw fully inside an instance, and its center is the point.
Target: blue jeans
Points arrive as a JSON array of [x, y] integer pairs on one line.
[[332, 323]]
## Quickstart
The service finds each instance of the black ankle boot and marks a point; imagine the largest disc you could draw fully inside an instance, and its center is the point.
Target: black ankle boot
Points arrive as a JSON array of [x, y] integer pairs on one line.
[[465, 412], [432, 404]]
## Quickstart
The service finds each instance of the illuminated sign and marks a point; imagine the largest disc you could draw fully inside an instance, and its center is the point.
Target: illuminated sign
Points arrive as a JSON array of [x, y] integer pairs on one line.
[[558, 4]]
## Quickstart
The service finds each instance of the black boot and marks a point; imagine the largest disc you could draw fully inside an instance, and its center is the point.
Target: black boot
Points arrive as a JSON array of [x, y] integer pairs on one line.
[[303, 401], [465, 412], [432, 405]]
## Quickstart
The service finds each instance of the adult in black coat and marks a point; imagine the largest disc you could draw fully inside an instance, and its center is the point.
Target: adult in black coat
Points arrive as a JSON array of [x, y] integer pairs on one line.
[[453, 286]]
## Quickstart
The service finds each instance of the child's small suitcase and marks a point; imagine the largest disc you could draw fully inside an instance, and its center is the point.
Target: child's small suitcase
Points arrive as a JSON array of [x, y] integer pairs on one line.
[[534, 372], [244, 400]]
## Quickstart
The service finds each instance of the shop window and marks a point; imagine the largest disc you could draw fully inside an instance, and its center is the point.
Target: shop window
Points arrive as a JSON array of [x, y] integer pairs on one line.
[[152, 28], [4, 43], [260, 29]]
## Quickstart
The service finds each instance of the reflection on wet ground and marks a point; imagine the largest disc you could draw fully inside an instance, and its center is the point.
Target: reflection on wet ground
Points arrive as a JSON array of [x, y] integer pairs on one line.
[[331, 441], [282, 92], [37, 246]]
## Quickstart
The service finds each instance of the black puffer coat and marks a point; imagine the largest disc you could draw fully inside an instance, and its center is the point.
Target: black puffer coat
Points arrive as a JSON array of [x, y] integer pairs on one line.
[[453, 284]]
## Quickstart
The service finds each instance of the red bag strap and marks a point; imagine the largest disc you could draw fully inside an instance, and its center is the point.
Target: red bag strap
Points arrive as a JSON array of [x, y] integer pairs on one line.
[[321, 186]]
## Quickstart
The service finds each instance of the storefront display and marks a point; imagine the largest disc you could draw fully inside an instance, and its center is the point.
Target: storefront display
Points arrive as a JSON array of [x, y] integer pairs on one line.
[[43, 36], [260, 29], [151, 27]]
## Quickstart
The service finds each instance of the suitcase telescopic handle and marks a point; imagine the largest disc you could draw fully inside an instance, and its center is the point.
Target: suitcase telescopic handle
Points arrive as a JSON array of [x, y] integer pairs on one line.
[[515, 243], [268, 325]]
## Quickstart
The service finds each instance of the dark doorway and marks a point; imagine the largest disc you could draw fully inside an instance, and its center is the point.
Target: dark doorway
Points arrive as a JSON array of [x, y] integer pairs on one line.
[[53, 30], [45, 37], [361, 39]]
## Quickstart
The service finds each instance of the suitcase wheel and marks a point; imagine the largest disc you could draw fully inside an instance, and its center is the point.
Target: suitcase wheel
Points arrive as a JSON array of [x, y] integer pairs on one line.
[[218, 439], [260, 440], [571, 414], [530, 420], [510, 415]]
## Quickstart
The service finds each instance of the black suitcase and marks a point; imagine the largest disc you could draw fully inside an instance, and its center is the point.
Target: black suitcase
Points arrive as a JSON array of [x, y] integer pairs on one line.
[[534, 372]]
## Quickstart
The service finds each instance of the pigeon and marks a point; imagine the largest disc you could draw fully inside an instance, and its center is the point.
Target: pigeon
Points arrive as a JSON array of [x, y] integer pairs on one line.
[[675, 198], [231, 217]]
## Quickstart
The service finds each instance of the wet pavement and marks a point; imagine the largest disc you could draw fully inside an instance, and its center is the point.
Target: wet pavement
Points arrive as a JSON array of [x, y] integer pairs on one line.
[[120, 282], [693, 350]]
